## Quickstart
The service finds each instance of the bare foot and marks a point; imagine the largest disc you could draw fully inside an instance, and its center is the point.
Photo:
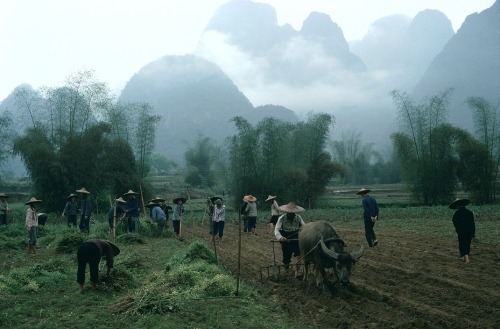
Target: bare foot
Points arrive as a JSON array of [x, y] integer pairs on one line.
[[466, 258]]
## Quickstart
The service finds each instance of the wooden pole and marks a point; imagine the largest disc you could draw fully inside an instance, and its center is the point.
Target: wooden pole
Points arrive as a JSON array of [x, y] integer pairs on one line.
[[189, 201], [239, 254], [114, 224], [142, 199]]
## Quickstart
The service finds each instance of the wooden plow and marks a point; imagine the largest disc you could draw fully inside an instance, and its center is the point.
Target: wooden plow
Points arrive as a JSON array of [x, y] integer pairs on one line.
[[276, 270]]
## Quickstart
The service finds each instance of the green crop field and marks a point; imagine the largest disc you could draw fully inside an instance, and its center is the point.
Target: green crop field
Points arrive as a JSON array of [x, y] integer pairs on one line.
[[167, 283]]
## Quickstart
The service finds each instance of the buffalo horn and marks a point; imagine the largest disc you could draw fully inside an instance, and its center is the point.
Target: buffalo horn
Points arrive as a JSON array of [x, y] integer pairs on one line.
[[327, 251], [357, 255]]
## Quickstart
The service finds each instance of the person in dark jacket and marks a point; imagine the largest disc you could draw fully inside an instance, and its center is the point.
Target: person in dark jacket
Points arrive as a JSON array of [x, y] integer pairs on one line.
[[465, 226], [85, 210], [370, 216], [71, 210], [91, 252], [133, 211]]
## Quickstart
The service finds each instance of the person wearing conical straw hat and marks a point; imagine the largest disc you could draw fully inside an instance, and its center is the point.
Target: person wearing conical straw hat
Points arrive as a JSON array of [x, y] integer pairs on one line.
[[4, 208], [85, 210], [132, 211], [71, 210], [287, 232], [32, 224], [177, 215], [370, 215], [465, 226], [112, 214], [91, 252], [275, 212], [218, 217], [157, 215], [251, 209]]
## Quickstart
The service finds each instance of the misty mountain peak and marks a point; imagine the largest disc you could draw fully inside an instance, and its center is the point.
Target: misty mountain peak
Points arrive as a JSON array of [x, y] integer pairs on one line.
[[320, 26]]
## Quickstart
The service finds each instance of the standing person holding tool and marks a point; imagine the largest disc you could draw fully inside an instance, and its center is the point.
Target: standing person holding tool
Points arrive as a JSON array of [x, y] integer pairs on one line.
[[132, 211], [287, 232], [71, 210], [370, 216], [275, 213], [178, 212], [116, 211], [91, 252], [85, 210], [465, 226], [4, 208], [218, 217], [32, 224], [251, 209]]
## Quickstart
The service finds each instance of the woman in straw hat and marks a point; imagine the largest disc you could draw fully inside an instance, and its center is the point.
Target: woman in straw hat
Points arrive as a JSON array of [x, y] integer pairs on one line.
[[85, 210], [465, 226], [287, 232], [32, 224], [251, 209], [370, 215], [70, 210], [4, 208], [91, 252], [275, 212]]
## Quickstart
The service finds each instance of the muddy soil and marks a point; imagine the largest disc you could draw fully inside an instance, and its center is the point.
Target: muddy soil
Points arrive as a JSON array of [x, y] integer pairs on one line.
[[407, 281]]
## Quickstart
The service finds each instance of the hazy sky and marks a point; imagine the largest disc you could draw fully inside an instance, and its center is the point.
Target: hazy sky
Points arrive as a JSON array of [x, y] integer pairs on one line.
[[44, 41]]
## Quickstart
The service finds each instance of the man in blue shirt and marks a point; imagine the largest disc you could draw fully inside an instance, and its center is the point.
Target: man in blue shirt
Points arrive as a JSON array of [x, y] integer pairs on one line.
[[370, 216]]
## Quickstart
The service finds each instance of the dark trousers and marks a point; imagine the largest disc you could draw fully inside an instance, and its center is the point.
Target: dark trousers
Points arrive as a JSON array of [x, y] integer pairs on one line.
[[289, 249], [464, 245], [177, 226], [84, 223], [369, 232], [71, 220], [218, 228], [3, 219], [89, 253]]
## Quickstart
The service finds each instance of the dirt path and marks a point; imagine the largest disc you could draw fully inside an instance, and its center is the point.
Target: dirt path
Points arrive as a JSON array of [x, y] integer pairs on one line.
[[407, 281]]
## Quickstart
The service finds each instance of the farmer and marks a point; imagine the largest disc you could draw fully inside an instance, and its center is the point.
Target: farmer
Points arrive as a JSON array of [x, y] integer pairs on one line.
[[275, 213], [91, 252], [210, 207], [251, 209], [465, 226], [4, 208], [157, 215], [164, 206], [132, 212], [370, 215], [70, 210], [287, 231], [32, 224], [244, 213], [177, 217], [114, 214], [85, 210], [218, 220]]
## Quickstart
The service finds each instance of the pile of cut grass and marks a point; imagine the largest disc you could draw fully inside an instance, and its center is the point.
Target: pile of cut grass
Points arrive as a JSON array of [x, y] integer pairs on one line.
[[188, 276]]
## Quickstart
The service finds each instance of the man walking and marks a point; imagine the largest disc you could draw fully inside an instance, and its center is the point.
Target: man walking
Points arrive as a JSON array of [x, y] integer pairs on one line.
[[370, 216]]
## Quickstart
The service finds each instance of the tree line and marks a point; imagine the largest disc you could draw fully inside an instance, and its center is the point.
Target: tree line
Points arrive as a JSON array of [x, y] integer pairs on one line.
[[79, 135]]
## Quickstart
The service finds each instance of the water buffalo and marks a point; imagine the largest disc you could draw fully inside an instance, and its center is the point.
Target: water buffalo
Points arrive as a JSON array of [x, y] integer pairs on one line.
[[320, 244]]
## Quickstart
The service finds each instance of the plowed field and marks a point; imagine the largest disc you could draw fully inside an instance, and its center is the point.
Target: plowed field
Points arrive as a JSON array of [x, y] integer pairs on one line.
[[407, 281]]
